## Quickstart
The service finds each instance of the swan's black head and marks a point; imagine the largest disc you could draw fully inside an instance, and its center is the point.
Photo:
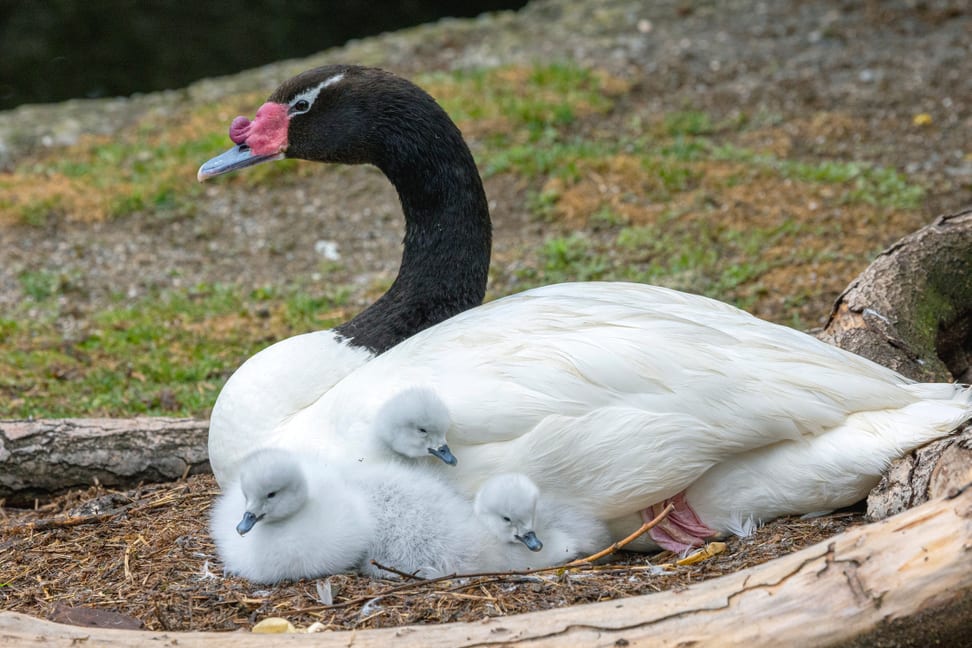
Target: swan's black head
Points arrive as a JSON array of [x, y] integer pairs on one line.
[[336, 113], [355, 115]]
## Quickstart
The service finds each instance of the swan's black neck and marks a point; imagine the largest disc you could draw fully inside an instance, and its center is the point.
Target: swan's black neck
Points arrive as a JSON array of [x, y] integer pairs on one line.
[[447, 242]]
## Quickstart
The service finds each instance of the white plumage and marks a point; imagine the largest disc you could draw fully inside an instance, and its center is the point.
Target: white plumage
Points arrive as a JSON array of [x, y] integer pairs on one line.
[[422, 525], [615, 397], [532, 530], [269, 388], [301, 518], [310, 521], [413, 425]]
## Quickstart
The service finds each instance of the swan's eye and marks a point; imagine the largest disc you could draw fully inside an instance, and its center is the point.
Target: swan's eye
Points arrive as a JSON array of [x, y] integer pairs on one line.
[[423, 431], [302, 106], [271, 494], [506, 519]]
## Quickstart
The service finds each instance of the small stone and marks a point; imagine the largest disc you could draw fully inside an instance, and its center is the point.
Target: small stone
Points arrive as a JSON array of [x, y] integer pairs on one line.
[[328, 250], [922, 119], [274, 625]]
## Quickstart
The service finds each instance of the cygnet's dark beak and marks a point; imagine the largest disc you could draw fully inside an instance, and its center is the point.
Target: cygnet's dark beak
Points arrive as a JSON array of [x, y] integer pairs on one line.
[[531, 540], [246, 523], [238, 157], [445, 454]]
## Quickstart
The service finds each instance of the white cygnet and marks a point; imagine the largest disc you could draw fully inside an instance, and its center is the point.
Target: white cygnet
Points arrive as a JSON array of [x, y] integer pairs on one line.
[[422, 525], [288, 518], [413, 423], [531, 530], [292, 516]]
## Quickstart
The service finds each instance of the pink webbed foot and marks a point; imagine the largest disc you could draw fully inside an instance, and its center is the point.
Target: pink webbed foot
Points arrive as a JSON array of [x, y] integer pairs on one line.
[[681, 529]]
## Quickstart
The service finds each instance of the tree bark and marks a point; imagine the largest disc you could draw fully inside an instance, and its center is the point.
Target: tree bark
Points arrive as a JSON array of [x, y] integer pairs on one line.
[[904, 581], [38, 458], [911, 309], [934, 470]]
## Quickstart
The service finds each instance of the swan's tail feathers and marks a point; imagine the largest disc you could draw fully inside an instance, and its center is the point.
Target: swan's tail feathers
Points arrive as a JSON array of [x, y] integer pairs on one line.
[[943, 392], [938, 410], [943, 408]]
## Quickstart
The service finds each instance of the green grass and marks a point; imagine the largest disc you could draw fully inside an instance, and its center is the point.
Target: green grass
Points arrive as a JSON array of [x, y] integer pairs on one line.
[[524, 116], [572, 258], [862, 182], [692, 255], [533, 99], [688, 122], [164, 355], [552, 158], [108, 179], [524, 119], [696, 256]]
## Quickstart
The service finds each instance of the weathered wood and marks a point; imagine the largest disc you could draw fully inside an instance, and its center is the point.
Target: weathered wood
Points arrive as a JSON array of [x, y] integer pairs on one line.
[[863, 587], [911, 309], [931, 471], [41, 457]]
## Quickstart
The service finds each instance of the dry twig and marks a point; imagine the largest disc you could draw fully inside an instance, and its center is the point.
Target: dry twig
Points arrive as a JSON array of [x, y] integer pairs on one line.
[[643, 529], [66, 521]]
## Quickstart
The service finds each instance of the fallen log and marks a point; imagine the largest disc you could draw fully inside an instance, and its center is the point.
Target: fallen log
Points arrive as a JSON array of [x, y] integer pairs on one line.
[[45, 456], [911, 308]]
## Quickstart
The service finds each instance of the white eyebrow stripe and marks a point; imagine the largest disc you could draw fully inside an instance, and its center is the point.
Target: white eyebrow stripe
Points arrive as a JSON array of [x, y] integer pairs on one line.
[[310, 95]]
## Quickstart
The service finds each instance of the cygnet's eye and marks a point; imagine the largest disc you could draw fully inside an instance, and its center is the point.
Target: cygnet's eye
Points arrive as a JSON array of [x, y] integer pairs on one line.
[[271, 494], [506, 519], [423, 431]]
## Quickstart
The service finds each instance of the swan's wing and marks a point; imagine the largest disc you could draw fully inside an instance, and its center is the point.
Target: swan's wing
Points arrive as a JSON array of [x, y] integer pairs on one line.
[[611, 461], [572, 348], [269, 388]]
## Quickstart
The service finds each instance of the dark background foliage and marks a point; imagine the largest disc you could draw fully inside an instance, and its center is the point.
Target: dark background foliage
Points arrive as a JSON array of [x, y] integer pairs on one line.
[[58, 49]]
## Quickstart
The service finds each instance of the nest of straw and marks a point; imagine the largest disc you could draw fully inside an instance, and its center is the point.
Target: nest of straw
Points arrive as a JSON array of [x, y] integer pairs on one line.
[[143, 558]]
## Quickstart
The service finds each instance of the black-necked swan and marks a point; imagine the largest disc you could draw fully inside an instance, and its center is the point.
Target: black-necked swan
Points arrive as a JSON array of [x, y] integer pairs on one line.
[[293, 516], [533, 530], [355, 115], [614, 397]]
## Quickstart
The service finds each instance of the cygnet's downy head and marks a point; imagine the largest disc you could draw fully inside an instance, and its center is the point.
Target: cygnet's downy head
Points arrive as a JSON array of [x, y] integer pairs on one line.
[[507, 505], [274, 487], [414, 423]]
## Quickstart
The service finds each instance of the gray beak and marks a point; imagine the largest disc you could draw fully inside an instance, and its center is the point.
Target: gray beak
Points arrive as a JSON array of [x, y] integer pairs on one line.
[[246, 523], [529, 538], [445, 454], [238, 157]]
